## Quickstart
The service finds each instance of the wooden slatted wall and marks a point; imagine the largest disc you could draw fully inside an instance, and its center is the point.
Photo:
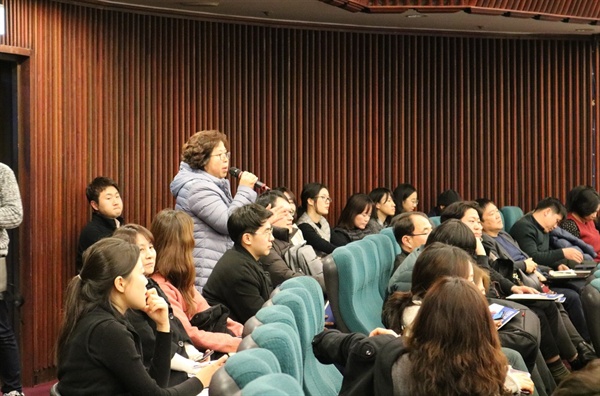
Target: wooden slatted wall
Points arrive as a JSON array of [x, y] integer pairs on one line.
[[117, 94]]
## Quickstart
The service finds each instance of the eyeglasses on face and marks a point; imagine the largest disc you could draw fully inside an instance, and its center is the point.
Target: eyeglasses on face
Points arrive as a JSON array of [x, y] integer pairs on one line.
[[266, 232], [223, 156], [326, 199]]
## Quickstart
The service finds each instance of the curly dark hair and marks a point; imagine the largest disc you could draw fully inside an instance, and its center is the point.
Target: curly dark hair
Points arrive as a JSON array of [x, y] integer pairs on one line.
[[198, 149]]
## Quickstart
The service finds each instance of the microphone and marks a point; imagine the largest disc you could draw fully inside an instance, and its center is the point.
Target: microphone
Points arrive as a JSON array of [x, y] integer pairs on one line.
[[236, 172]]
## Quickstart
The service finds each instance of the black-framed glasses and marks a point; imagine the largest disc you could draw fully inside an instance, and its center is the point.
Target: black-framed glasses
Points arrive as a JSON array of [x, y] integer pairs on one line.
[[326, 199], [266, 232], [421, 234], [223, 156]]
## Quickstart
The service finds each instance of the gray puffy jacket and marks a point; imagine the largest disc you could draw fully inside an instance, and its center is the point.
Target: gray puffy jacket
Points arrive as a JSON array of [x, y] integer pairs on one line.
[[208, 201]]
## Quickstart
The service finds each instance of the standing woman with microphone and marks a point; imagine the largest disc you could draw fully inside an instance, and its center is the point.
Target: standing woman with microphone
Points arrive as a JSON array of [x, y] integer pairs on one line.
[[201, 190]]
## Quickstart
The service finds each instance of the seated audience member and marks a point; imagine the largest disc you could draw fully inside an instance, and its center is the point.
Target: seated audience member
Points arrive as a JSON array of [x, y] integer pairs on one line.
[[384, 208], [354, 220], [453, 349], [444, 199], [405, 198], [455, 233], [238, 281], [202, 191], [452, 232], [468, 213], [435, 261], [97, 351], [296, 237], [583, 204], [555, 340], [315, 228], [274, 263], [501, 248], [144, 326], [411, 230], [173, 231], [532, 234], [107, 206], [581, 383]]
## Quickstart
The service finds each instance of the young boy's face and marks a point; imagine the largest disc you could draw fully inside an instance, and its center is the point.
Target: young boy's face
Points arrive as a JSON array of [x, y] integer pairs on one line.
[[109, 203]]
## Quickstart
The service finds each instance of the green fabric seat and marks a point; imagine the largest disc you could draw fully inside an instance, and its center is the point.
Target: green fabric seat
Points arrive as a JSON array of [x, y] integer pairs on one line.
[[510, 215], [385, 249], [319, 379], [389, 232], [283, 341], [359, 298], [273, 385], [241, 369]]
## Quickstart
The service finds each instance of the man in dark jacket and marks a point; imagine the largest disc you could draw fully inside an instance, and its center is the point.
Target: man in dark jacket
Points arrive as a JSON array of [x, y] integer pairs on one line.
[[104, 197], [238, 280], [532, 234]]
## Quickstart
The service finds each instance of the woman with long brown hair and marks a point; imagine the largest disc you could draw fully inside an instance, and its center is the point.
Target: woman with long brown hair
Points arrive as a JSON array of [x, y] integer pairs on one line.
[[454, 346], [453, 350], [173, 232]]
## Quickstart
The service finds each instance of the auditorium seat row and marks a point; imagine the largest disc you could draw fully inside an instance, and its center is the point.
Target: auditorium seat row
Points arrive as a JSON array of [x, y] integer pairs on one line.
[[356, 276], [283, 329]]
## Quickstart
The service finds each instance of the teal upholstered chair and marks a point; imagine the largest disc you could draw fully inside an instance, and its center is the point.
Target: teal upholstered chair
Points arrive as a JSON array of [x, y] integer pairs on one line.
[[270, 314], [283, 341], [510, 214], [387, 255], [316, 296], [435, 220], [273, 385], [319, 379], [389, 232], [359, 299], [590, 300], [352, 280], [241, 369]]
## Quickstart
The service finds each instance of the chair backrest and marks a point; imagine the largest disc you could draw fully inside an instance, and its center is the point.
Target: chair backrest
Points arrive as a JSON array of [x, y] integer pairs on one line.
[[283, 341], [332, 283], [387, 256], [359, 298], [316, 295], [389, 232], [273, 385], [269, 314], [241, 369], [590, 301], [319, 379], [510, 214], [436, 220]]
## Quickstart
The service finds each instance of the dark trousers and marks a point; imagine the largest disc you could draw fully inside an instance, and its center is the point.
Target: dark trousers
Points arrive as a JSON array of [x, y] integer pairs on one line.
[[573, 306], [10, 367]]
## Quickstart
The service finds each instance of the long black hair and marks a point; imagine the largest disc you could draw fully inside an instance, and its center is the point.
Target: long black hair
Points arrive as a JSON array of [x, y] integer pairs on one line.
[[103, 262]]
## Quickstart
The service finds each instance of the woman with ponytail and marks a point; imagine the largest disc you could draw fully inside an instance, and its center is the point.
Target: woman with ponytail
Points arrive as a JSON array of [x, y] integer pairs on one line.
[[98, 350]]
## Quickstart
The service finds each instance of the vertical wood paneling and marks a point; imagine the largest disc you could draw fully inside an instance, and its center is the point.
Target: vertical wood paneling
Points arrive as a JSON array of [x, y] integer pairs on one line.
[[118, 94]]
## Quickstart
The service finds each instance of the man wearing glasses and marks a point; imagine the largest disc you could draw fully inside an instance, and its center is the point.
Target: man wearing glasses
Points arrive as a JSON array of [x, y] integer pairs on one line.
[[238, 280], [411, 230]]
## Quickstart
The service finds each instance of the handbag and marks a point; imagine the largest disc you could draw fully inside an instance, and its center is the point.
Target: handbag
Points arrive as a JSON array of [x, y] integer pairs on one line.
[[530, 280], [213, 319]]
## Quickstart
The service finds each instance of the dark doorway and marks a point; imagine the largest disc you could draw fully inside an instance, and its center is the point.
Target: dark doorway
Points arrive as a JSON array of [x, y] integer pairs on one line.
[[8, 156]]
